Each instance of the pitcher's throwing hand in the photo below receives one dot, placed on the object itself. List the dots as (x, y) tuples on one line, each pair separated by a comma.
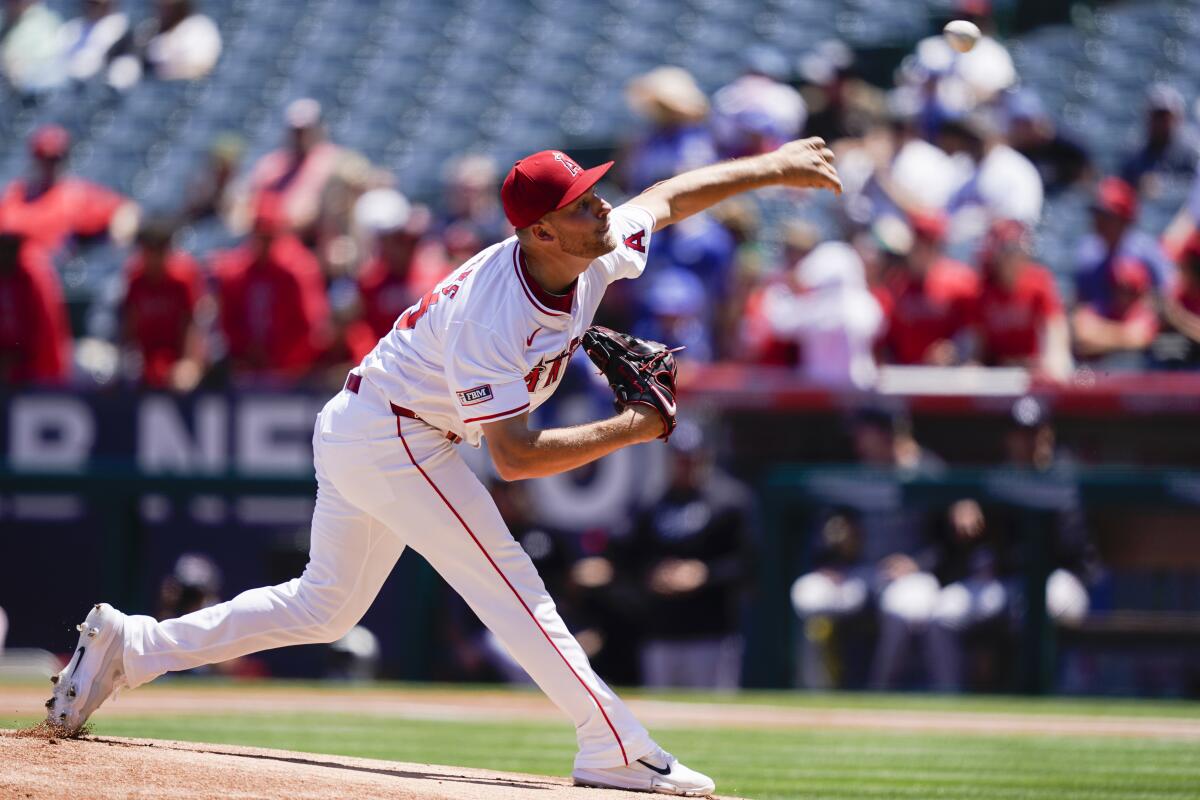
[(808, 163)]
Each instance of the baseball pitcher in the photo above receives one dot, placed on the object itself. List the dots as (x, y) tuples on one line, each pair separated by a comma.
[(471, 360)]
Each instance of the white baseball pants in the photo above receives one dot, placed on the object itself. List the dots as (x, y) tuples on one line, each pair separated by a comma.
[(385, 482)]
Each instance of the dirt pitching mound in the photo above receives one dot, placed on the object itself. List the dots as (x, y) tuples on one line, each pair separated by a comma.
[(36, 766)]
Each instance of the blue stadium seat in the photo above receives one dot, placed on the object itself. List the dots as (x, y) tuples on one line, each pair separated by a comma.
[(413, 82)]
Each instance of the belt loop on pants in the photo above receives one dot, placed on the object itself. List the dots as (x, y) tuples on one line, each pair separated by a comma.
[(354, 383)]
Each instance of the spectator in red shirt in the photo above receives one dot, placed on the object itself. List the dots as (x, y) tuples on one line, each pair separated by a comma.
[(298, 172), (274, 312), (930, 302), (51, 208), (35, 339), (756, 339), (158, 315), (405, 265), (1019, 318), (461, 241), (1182, 308), (1126, 324)]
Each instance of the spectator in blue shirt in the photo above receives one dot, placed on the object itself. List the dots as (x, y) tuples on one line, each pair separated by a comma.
[(1169, 150), (1060, 160), (702, 246), (678, 138), (678, 313), (1114, 211)]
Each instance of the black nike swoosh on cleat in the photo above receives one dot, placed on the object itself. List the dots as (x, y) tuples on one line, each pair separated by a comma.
[(79, 660), (660, 770)]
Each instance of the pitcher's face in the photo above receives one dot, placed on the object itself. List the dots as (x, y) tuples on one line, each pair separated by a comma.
[(582, 228)]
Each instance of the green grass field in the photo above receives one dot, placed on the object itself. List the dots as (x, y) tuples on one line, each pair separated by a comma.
[(760, 764)]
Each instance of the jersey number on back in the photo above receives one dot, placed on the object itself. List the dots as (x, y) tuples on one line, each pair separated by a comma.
[(409, 318)]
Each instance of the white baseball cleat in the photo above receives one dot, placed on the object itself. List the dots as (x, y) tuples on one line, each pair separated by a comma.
[(657, 771), (95, 670)]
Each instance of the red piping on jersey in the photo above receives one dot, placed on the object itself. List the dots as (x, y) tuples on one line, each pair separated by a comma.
[(516, 594), (497, 414), (556, 305)]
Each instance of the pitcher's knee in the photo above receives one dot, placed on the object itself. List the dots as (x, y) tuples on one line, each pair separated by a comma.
[(329, 609)]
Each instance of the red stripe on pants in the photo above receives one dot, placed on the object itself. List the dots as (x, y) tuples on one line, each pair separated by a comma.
[(512, 588)]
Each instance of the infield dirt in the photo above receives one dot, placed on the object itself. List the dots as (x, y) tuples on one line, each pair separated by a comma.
[(111, 767)]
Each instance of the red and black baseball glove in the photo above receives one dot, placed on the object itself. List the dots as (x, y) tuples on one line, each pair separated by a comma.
[(638, 370)]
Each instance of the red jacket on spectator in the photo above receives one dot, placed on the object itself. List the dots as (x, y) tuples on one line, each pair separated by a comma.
[(924, 311), (1187, 290), (1188, 295), (274, 312), (1010, 320), (70, 207), (759, 342), (158, 311), (386, 292), (35, 338)]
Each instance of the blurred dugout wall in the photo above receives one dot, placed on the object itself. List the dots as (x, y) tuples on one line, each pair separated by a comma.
[(1139, 636), (99, 494)]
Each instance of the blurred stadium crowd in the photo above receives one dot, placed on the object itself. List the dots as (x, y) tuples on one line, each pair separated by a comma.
[(975, 228), (1034, 204)]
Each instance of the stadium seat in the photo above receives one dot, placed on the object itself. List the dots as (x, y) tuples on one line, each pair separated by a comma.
[(413, 82)]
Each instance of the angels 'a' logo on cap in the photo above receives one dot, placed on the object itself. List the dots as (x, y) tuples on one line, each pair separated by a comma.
[(571, 166)]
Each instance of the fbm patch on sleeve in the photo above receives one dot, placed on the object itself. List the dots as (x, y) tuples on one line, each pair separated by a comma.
[(485, 372), (471, 397)]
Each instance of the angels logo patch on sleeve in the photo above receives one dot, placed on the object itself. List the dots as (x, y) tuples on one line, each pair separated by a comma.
[(480, 394), (634, 228)]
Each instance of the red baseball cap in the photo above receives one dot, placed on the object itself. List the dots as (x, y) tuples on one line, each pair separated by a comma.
[(929, 224), (50, 141), (545, 182), (1115, 196)]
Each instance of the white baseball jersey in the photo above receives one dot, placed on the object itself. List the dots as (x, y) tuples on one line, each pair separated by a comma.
[(489, 343)]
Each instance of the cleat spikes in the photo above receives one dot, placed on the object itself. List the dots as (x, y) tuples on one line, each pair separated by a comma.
[(92, 675)]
